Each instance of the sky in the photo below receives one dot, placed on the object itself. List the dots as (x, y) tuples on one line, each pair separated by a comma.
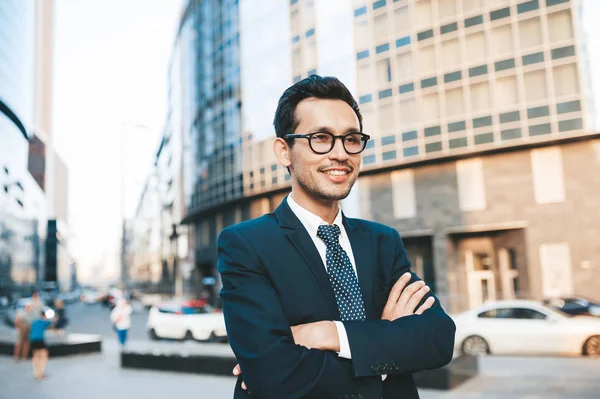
[(110, 92)]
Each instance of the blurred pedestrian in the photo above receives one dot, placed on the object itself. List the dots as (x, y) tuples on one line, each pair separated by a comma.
[(121, 318), (23, 320), (36, 303), (38, 345), (61, 316)]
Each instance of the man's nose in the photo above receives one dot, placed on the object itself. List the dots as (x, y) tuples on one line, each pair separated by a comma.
[(338, 151)]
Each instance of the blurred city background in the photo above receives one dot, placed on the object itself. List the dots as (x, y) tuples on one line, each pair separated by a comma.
[(133, 131)]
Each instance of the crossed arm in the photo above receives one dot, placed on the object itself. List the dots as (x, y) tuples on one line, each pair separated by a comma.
[(294, 362)]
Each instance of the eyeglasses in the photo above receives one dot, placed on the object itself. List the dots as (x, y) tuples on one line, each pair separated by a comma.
[(323, 142)]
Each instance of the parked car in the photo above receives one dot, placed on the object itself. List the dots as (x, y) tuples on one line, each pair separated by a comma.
[(186, 320), (525, 327), (576, 306), (91, 296)]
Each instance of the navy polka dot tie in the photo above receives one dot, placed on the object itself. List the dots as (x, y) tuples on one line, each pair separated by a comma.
[(341, 275)]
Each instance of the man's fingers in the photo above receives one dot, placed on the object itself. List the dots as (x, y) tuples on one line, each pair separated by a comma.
[(244, 387), (426, 305), (416, 298), (237, 370), (407, 294), (395, 293)]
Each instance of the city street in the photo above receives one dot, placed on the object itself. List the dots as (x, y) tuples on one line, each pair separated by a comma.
[(100, 376)]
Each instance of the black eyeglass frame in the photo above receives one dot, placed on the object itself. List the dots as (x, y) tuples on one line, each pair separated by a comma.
[(364, 138)]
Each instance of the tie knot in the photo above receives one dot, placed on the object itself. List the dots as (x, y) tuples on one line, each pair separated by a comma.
[(329, 233)]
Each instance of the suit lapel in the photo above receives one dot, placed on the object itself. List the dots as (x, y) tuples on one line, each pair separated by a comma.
[(300, 239), (362, 249)]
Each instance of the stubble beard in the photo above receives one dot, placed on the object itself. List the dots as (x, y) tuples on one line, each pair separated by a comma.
[(311, 187)]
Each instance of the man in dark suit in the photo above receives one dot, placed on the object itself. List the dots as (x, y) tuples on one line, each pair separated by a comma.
[(318, 305)]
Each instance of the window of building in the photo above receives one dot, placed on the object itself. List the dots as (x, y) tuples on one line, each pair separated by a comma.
[(477, 20), (477, 71), (477, 49), (453, 27), (433, 131), (384, 72), (362, 54), (367, 98), (502, 41), (565, 80), (510, 134), (382, 48), (401, 21), (538, 112), (458, 142), (311, 72), (410, 151), (548, 177), (571, 124), (368, 159), (480, 97), (499, 14), (571, 106), (407, 136), (310, 32), (450, 53), (533, 58), (378, 4), (550, 3), (504, 64), (388, 140), (388, 155), (404, 66), (407, 88), (380, 28), (481, 122), (427, 62), (506, 91), (408, 112), (403, 194), (455, 102), (384, 93), (535, 85), (537, 130), (484, 138), (404, 41), (452, 76), (471, 189), (528, 6), (530, 33), (360, 11), (423, 14), (560, 26), (428, 34), (386, 118), (510, 117), (429, 82), (431, 107), (433, 147), (457, 126), (562, 52)]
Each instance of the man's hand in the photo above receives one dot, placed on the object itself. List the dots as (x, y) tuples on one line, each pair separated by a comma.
[(321, 335), (238, 371), (404, 303)]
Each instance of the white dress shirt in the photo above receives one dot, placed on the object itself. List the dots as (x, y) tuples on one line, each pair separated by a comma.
[(311, 223)]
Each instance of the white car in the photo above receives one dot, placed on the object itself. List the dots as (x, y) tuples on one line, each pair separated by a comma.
[(186, 321), (525, 327)]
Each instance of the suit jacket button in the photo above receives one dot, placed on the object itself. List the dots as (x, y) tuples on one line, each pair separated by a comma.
[(395, 367), (374, 368), (388, 367)]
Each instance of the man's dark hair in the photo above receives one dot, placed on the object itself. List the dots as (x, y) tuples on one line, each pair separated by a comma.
[(43, 313), (325, 87)]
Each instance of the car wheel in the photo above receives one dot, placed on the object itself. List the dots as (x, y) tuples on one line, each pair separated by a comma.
[(592, 346), (188, 335), (153, 335), (475, 345)]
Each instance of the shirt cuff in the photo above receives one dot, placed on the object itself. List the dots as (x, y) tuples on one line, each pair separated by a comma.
[(344, 344)]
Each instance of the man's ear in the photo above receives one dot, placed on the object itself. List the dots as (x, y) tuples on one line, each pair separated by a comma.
[(282, 152)]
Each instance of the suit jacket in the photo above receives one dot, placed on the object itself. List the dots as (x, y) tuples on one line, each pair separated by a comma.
[(273, 278)]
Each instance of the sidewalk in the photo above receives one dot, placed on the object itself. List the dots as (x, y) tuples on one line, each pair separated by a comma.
[(100, 377)]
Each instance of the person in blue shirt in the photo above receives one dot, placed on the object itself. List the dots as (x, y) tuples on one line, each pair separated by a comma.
[(38, 345)]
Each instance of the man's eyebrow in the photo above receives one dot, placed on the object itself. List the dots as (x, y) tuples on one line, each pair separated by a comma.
[(327, 129)]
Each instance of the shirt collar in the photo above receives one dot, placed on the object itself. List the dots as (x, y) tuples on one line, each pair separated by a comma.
[(309, 220)]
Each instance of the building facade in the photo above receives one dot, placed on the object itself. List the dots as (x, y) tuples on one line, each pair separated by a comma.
[(482, 118)]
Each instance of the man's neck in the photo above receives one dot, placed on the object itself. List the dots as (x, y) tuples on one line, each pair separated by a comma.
[(326, 210)]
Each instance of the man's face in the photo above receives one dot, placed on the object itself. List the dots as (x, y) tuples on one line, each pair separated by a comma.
[(330, 176)]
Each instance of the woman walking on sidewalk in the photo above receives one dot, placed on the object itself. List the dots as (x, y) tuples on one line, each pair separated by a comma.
[(121, 318)]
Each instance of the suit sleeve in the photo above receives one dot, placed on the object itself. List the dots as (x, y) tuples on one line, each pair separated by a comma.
[(273, 366), (405, 345)]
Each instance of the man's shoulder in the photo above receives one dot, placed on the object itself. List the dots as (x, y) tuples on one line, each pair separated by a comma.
[(254, 227), (369, 226)]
